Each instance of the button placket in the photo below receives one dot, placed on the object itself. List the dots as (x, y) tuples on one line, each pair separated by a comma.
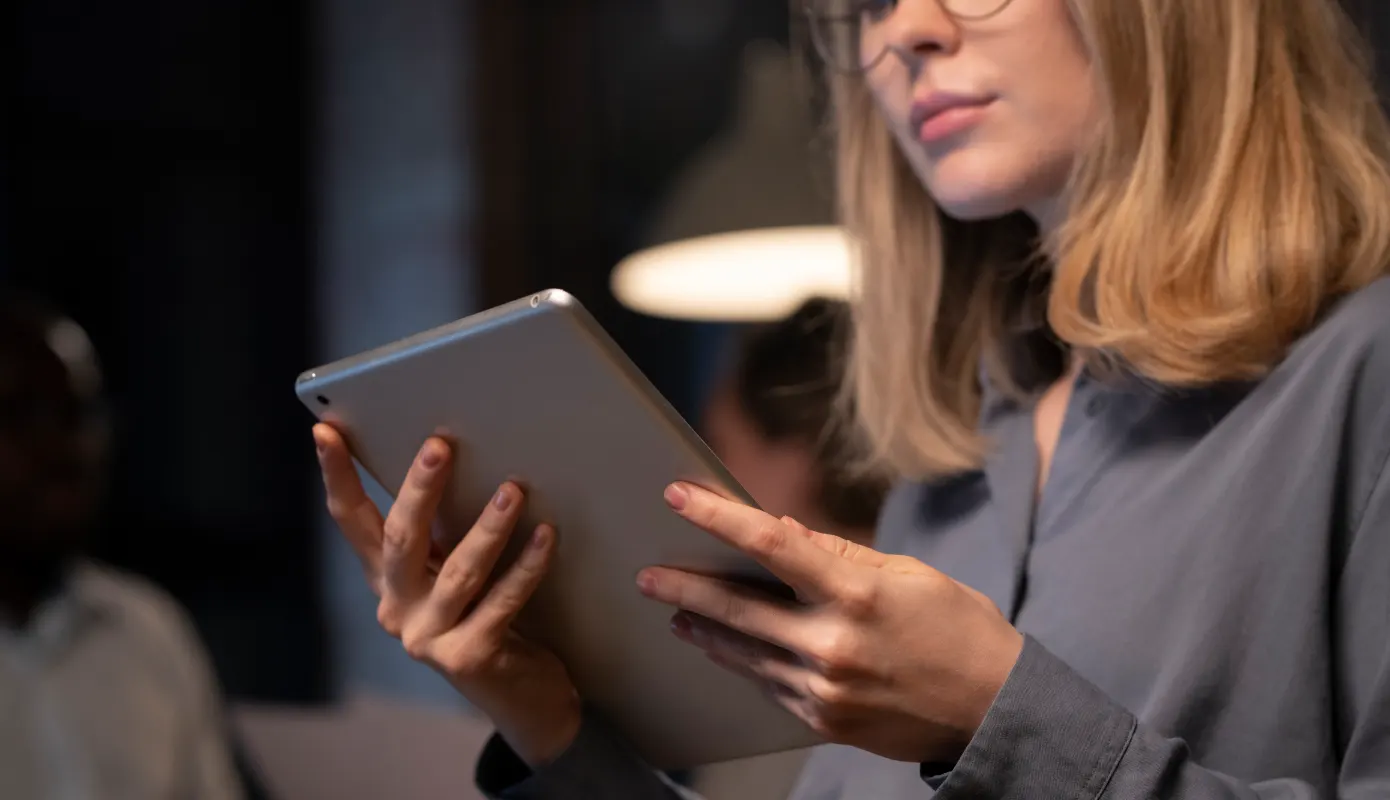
[(1089, 441)]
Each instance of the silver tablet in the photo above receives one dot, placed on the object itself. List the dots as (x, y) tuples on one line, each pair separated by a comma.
[(535, 391)]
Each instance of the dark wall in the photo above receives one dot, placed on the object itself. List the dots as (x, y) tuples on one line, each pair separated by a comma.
[(157, 188), (1372, 17)]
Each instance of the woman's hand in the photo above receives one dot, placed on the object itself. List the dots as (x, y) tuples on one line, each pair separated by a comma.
[(883, 653), (454, 620)]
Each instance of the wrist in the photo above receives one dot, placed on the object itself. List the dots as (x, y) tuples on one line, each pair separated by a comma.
[(543, 736), (996, 663)]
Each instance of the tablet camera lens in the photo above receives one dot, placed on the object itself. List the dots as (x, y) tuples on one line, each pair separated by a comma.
[(323, 401), (535, 300)]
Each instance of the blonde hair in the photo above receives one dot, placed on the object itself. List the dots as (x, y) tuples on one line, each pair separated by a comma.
[(1238, 186)]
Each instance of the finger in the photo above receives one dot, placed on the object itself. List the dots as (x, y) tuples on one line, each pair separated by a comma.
[(405, 540), (498, 608), (741, 653), (738, 607), (811, 570), (841, 547), (787, 683), (773, 689), (793, 702), (797, 527), (352, 510), (466, 570), (853, 552)]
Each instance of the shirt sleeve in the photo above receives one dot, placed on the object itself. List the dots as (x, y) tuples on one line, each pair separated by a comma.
[(1051, 733), (598, 765)]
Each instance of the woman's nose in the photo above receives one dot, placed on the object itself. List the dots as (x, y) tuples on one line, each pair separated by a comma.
[(915, 29)]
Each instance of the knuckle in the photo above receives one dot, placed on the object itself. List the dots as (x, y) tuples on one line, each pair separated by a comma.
[(858, 596), (388, 616), (468, 659), (512, 595), (733, 610), (457, 579), (768, 537), (835, 545), (527, 573), (396, 534), (828, 695), (837, 652), (528, 578), (339, 510), (417, 646)]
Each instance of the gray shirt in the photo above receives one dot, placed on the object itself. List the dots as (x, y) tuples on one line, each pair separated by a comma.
[(1204, 587), (107, 694)]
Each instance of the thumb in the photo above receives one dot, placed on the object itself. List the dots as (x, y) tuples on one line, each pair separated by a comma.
[(844, 548)]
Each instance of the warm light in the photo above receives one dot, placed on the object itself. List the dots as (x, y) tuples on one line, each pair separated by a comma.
[(755, 275)]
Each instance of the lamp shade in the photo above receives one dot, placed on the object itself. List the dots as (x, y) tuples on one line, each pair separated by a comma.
[(745, 276)]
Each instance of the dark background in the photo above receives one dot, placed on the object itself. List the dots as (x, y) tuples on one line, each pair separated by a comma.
[(160, 182)]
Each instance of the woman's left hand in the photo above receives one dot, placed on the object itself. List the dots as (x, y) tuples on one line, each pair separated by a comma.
[(882, 652)]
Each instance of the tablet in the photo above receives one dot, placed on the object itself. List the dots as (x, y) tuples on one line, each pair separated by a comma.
[(536, 392)]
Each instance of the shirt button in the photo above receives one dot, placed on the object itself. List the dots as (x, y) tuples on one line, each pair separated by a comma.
[(1096, 405)]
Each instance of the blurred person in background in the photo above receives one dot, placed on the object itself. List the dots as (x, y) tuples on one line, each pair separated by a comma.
[(773, 422), (105, 691)]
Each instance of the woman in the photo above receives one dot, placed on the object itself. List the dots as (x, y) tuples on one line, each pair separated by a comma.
[(1122, 330)]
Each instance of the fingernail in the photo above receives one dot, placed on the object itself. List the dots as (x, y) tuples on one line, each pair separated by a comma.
[(431, 455), (318, 443), (646, 583), (539, 538), (502, 500), (680, 626), (699, 636), (676, 495)]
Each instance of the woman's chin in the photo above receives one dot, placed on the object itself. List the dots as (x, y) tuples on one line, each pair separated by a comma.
[(972, 189), (975, 206)]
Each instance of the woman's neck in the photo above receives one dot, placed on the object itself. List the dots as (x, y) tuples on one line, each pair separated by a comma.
[(1046, 214)]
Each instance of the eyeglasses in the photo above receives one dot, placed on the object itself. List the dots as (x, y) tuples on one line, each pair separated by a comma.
[(848, 34)]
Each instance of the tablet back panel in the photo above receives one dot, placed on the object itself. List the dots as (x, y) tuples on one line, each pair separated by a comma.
[(536, 392)]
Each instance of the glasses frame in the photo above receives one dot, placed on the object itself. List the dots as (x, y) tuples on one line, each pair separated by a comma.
[(823, 49)]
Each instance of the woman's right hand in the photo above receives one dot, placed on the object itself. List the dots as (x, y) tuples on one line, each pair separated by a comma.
[(457, 621)]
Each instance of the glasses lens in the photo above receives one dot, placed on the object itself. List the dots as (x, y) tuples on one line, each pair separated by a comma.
[(843, 31), (849, 34)]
